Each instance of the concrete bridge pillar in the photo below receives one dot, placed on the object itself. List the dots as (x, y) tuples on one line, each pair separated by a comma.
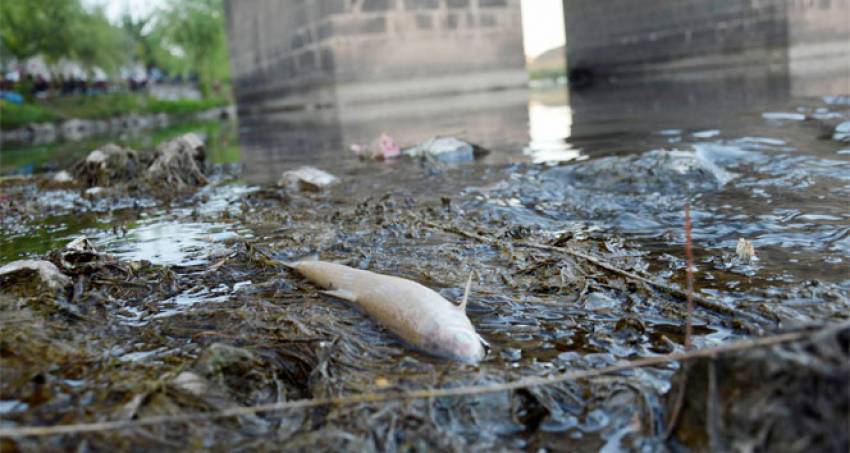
[(290, 55), (806, 41)]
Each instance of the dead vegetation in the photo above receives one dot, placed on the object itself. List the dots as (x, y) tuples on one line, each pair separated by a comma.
[(175, 166), (274, 363)]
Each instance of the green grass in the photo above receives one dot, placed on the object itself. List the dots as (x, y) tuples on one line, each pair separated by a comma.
[(222, 147), (98, 107), (14, 115)]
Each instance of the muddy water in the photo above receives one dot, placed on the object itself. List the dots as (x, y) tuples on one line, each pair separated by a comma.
[(604, 173)]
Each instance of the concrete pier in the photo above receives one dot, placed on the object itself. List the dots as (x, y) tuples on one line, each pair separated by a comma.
[(809, 41), (290, 55)]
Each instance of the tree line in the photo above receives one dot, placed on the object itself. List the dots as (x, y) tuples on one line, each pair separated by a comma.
[(183, 37)]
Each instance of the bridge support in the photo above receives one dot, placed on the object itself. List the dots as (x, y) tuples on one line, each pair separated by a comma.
[(289, 55)]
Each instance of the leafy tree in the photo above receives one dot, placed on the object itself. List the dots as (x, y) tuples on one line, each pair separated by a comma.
[(97, 42), (38, 27), (196, 28)]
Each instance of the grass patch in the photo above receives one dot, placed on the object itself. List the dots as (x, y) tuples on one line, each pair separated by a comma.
[(99, 107), (18, 115), (222, 147)]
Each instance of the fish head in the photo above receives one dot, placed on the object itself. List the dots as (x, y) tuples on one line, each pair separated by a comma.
[(461, 344)]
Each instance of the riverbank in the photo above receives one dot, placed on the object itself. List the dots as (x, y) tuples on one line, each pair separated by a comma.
[(76, 118)]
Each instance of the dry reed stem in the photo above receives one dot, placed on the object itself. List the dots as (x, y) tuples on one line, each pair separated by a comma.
[(745, 318), (689, 271)]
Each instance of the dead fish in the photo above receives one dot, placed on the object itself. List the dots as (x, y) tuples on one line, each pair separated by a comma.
[(417, 314)]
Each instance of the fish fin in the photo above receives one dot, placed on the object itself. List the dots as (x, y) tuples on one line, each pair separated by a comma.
[(484, 342), (465, 299), (341, 294)]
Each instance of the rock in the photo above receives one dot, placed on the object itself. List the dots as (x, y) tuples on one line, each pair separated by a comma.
[(41, 133), (784, 398), (179, 163), (111, 164), (63, 177), (307, 179), (745, 250), (446, 149), (76, 129), (27, 275), (842, 132)]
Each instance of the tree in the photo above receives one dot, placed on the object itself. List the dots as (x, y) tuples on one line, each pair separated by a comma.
[(196, 27), (38, 27), (97, 42), (56, 29)]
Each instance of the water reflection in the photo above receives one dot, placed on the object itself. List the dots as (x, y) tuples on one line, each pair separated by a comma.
[(516, 125), (753, 160), (550, 123)]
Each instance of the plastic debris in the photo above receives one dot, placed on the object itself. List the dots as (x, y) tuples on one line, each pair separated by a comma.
[(387, 148), (382, 148), (307, 179), (446, 149)]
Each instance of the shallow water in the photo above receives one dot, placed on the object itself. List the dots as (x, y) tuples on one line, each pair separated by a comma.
[(607, 173)]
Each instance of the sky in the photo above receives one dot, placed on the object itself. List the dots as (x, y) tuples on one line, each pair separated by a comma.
[(542, 20), (116, 8), (543, 25)]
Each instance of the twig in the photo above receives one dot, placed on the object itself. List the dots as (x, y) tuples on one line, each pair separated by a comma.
[(533, 381), (676, 292), (679, 401), (689, 255)]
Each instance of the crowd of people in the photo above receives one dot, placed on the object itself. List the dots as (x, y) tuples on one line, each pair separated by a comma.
[(17, 84)]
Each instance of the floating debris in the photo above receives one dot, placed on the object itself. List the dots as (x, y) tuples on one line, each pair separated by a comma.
[(382, 148), (447, 150), (387, 148), (307, 179)]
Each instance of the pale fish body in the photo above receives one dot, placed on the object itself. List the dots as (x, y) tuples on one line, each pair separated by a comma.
[(417, 314)]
